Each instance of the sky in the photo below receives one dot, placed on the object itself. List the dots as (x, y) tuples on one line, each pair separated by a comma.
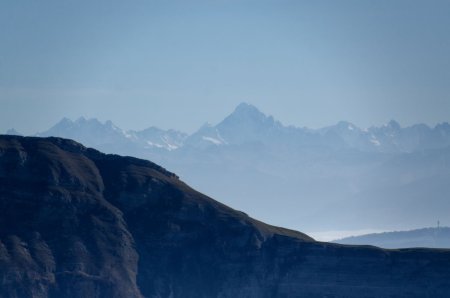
[(178, 64)]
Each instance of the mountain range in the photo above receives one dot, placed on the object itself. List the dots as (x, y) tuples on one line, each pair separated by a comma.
[(75, 222), (337, 177), (246, 124), (438, 237)]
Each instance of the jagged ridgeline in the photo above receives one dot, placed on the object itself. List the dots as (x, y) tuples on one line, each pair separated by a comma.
[(78, 223), (339, 177)]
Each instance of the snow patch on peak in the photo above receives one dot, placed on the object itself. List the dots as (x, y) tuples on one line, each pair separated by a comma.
[(374, 140), (130, 134), (212, 140)]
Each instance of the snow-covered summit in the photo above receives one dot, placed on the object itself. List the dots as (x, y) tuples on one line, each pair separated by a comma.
[(246, 124), (95, 133)]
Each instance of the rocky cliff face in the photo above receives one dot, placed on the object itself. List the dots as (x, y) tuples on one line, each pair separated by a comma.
[(78, 223)]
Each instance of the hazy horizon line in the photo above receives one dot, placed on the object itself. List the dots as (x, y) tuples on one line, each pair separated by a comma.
[(105, 121)]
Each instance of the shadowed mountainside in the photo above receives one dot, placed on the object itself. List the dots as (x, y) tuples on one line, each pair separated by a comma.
[(78, 223)]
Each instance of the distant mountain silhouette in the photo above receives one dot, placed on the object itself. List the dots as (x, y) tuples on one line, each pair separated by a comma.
[(318, 178), (247, 124), (78, 223), (13, 132), (111, 138), (427, 237)]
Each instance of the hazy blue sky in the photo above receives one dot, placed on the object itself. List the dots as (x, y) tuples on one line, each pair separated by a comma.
[(177, 64)]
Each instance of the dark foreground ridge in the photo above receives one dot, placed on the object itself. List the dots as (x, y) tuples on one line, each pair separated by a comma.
[(78, 223)]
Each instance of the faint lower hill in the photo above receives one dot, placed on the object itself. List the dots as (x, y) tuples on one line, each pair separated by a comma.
[(427, 237), (77, 223)]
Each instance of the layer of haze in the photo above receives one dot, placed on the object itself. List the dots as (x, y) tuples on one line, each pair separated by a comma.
[(175, 64)]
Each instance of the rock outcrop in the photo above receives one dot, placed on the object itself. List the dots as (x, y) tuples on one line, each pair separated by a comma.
[(78, 223)]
